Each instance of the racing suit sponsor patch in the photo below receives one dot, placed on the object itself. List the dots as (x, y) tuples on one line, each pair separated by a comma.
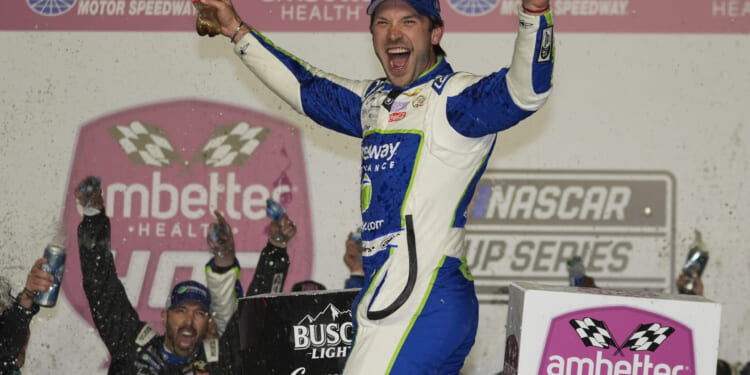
[(398, 116), (545, 48)]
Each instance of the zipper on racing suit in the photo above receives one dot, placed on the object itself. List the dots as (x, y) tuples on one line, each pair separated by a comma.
[(412, 279)]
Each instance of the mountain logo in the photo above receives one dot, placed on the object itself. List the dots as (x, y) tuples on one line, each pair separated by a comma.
[(331, 310), (327, 334)]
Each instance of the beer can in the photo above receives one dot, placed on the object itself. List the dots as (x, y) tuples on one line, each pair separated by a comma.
[(357, 235), (695, 264), (217, 232), (90, 185), (55, 255), (696, 260), (576, 271), (87, 189), (274, 210)]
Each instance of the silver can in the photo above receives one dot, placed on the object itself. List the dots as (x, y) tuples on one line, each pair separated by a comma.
[(695, 264), (274, 210), (87, 188), (55, 255)]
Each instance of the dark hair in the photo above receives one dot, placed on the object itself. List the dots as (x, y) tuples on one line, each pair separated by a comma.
[(307, 285), (723, 368), (434, 22)]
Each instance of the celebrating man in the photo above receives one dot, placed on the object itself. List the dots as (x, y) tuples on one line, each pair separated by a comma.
[(188, 346), (427, 133)]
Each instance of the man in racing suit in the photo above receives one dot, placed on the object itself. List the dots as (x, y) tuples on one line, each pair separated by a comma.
[(427, 133), (135, 346)]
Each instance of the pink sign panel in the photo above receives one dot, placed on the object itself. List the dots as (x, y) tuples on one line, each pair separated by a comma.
[(595, 16), (617, 340), (164, 168)]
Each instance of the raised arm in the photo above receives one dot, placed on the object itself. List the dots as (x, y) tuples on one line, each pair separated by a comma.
[(273, 264), (114, 316), (327, 99), (530, 76), (222, 272), (514, 93)]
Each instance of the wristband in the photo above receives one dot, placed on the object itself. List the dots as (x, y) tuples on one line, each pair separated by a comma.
[(237, 31), (28, 292), (527, 10)]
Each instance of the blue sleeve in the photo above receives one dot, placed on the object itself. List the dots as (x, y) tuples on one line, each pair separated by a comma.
[(485, 107), (332, 106), (329, 100), (354, 282), (504, 98)]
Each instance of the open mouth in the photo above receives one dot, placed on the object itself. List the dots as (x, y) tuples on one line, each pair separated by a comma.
[(397, 57), (186, 338)]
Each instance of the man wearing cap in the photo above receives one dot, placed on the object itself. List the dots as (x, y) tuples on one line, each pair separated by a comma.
[(427, 132), (185, 347)]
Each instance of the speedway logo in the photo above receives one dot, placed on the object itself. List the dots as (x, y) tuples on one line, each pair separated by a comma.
[(164, 169), (473, 7), (50, 7), (328, 334), (617, 340)]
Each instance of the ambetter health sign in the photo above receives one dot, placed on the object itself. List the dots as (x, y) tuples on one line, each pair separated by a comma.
[(164, 168)]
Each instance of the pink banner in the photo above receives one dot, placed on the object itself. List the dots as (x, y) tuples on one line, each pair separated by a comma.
[(164, 167), (621, 16)]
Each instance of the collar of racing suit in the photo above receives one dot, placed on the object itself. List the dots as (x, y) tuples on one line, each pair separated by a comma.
[(172, 359)]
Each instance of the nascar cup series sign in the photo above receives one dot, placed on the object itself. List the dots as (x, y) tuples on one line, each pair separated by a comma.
[(525, 225), (164, 169)]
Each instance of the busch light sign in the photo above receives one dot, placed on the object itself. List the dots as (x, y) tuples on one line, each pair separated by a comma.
[(164, 169), (300, 333), (328, 334)]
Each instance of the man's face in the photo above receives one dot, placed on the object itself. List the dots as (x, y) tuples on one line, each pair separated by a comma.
[(187, 325), (403, 41)]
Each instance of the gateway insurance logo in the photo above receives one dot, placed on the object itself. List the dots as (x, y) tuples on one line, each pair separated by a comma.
[(617, 340), (164, 168)]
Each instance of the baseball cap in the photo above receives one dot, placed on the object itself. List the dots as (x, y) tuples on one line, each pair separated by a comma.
[(189, 291), (306, 285), (423, 7)]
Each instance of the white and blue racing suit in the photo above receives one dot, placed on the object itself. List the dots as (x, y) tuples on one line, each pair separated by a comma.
[(424, 148)]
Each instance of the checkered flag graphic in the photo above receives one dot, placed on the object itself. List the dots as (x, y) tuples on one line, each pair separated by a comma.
[(145, 144), (648, 337), (593, 333), (232, 145)]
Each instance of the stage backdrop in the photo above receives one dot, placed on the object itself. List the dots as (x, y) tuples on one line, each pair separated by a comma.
[(643, 142)]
